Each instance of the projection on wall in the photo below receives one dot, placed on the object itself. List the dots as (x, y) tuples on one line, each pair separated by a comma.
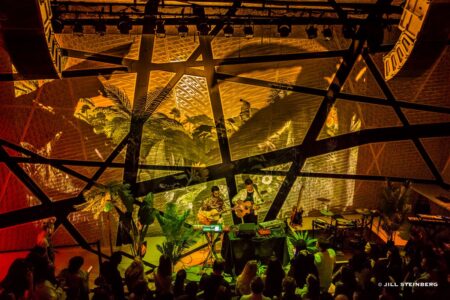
[(182, 132), (85, 119)]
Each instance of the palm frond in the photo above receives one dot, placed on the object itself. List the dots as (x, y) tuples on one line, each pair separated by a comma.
[(24, 87), (295, 237), (87, 101), (118, 96)]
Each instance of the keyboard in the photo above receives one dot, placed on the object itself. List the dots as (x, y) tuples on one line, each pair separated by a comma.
[(272, 224), (429, 219)]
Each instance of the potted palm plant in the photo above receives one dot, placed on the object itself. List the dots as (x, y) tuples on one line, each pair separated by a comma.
[(179, 235)]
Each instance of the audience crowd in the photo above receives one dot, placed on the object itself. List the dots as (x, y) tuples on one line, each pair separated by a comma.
[(375, 271)]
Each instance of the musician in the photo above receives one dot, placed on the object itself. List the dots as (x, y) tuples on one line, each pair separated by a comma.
[(248, 194), (212, 208)]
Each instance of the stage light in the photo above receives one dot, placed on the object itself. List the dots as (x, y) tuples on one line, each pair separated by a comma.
[(327, 33), (202, 24), (348, 31), (77, 28), (203, 28), (311, 31), (57, 25), (183, 30), (284, 29), (228, 30), (124, 25), (100, 27), (248, 31), (160, 30)]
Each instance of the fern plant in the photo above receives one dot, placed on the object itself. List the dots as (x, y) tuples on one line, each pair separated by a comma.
[(179, 237)]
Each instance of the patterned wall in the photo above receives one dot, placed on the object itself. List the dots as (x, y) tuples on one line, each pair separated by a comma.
[(85, 118)]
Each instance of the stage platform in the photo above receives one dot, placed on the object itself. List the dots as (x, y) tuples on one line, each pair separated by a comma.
[(400, 237)]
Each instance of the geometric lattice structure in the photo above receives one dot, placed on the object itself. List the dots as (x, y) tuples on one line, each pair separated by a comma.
[(176, 116)]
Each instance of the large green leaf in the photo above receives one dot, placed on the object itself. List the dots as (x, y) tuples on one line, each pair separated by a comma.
[(179, 237), (146, 213)]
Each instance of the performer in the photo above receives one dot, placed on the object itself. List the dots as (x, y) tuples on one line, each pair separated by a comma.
[(212, 208), (246, 202), (44, 238), (211, 213)]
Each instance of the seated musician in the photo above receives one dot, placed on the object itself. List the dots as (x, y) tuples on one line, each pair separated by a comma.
[(246, 202), (212, 208)]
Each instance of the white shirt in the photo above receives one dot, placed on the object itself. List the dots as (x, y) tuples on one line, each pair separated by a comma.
[(242, 195), (324, 262)]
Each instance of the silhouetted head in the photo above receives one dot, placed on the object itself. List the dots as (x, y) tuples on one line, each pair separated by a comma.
[(15, 280), (165, 265), (274, 268), (116, 258), (75, 264), (289, 285), (257, 285), (219, 266), (191, 289), (301, 245)]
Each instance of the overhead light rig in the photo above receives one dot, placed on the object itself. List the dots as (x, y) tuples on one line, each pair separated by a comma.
[(204, 14), (260, 12)]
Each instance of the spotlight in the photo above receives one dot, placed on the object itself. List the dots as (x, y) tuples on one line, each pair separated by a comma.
[(348, 31), (183, 30), (248, 31), (202, 25), (203, 28), (284, 29), (311, 31), (57, 25), (124, 25), (100, 27), (327, 33), (228, 30), (160, 30), (77, 28)]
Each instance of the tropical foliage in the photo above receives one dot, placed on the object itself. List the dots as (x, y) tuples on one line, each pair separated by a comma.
[(117, 196), (166, 139), (179, 235), (296, 236)]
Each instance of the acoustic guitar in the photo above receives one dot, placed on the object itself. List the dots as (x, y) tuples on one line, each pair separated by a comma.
[(212, 216), (208, 217), (246, 207)]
